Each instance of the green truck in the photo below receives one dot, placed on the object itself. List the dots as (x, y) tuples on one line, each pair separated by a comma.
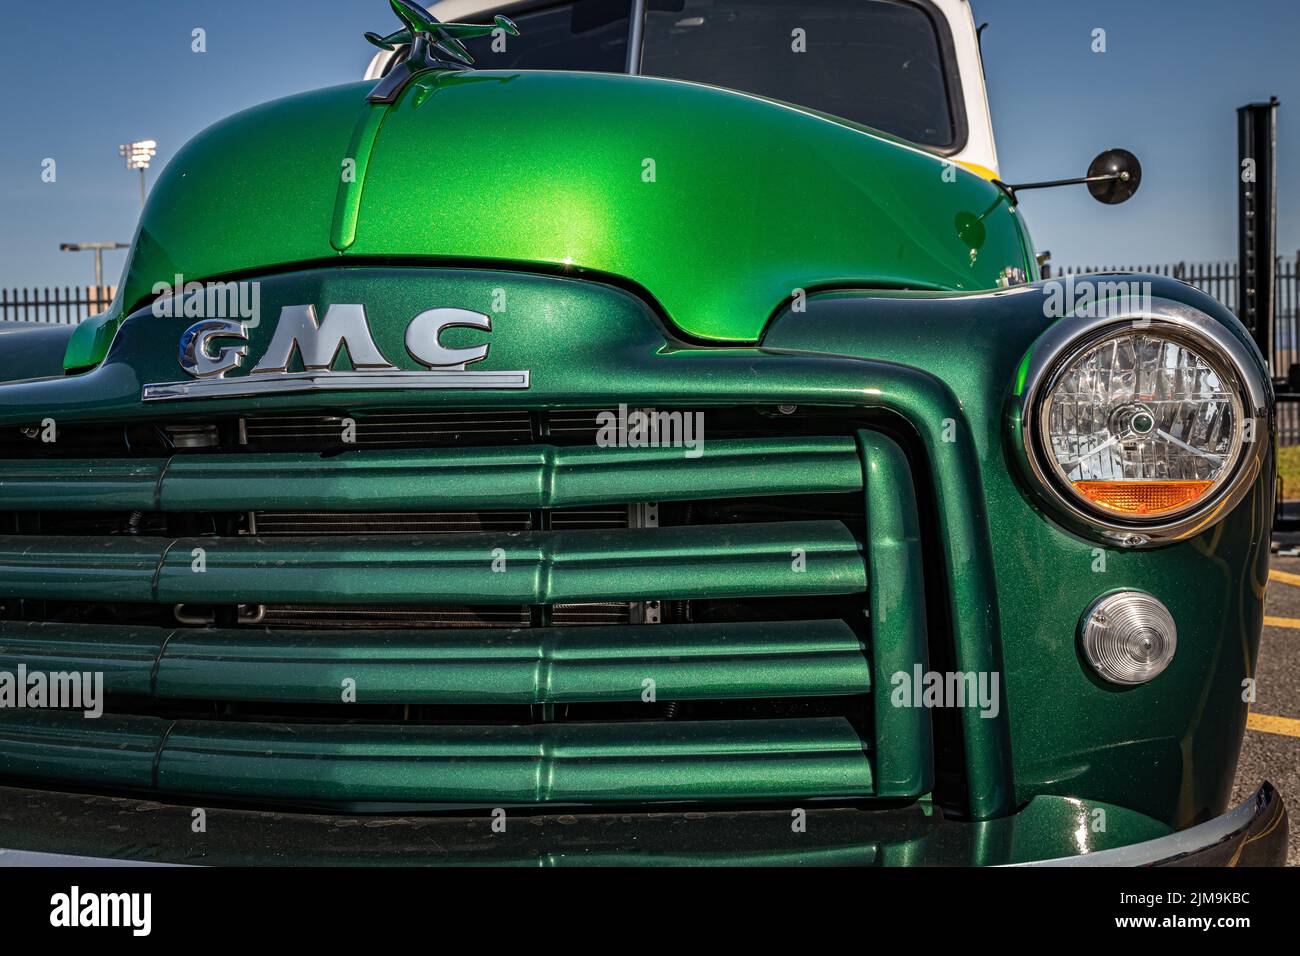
[(630, 432)]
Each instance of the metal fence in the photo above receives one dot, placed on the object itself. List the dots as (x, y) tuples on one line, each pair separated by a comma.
[(1219, 279), (66, 306)]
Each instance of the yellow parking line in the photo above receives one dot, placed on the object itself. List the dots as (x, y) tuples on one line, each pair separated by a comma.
[(1268, 724), (1285, 577), (1291, 622)]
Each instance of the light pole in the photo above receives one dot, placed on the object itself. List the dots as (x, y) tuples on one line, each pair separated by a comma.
[(98, 249), (137, 156)]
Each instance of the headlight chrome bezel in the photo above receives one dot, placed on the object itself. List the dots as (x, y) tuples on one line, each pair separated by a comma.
[(1069, 339)]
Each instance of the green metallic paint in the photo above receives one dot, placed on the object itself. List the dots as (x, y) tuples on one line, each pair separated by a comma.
[(87, 345), (1166, 749), (579, 337), (750, 199), (457, 764), (126, 656), (1053, 828), (680, 563), (535, 476), (352, 177), (64, 746), (537, 184), (29, 350), (96, 569), (553, 665), (540, 763), (903, 735), (82, 484)]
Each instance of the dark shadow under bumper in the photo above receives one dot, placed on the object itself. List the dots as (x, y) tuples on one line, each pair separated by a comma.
[(40, 827)]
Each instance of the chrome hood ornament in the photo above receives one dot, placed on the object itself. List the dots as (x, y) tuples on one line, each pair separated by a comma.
[(434, 45)]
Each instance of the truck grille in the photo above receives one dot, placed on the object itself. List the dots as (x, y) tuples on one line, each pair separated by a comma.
[(522, 616), (392, 429), (427, 522)]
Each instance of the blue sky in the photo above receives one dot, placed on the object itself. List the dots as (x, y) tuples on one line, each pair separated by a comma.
[(80, 76)]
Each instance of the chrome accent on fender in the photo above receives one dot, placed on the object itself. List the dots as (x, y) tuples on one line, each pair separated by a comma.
[(1011, 276), (193, 353), (297, 382), (1069, 337)]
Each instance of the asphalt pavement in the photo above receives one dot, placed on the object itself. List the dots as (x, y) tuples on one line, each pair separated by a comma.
[(1271, 750)]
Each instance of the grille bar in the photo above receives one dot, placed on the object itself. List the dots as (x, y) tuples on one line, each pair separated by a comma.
[(903, 735), (679, 563), (524, 764), (531, 477), (395, 428), (529, 666), (345, 619), (396, 522)]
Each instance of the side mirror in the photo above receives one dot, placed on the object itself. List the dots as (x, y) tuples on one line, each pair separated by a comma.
[(1114, 176)]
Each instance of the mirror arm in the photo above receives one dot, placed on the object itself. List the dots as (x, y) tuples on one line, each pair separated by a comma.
[(1010, 189)]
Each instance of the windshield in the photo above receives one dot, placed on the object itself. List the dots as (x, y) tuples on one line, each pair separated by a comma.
[(876, 62), (588, 35)]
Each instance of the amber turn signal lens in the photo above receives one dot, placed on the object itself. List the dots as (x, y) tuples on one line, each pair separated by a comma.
[(1144, 498)]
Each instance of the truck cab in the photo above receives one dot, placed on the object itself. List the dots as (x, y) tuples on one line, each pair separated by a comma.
[(646, 420), (910, 69)]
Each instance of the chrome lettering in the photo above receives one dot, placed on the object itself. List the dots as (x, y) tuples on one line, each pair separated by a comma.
[(319, 343)]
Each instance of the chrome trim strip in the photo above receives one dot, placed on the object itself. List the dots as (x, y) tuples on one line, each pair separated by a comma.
[(30, 858), (296, 382), (1069, 336)]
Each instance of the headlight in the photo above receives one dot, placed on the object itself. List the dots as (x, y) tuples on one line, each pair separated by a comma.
[(1142, 425), (1145, 430)]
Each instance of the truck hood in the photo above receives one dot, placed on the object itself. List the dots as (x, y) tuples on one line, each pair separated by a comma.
[(716, 205)]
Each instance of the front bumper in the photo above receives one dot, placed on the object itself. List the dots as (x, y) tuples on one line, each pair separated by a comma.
[(48, 828), (1253, 834)]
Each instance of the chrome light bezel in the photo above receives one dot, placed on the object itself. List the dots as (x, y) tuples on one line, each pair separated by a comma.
[(1228, 375), (1097, 621), (1064, 342)]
